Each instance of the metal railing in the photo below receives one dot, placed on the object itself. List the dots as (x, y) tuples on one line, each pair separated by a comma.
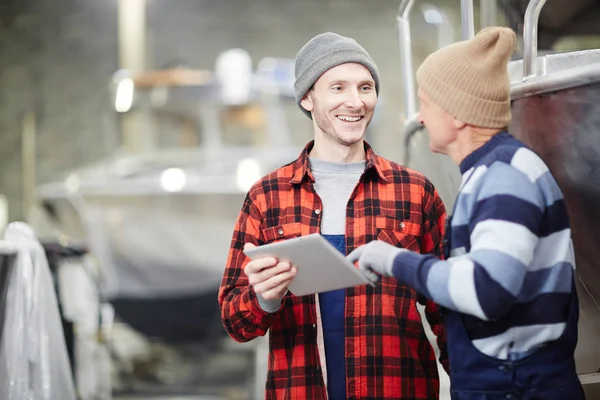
[(530, 38)]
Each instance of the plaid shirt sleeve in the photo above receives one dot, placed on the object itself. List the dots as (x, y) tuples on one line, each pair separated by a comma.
[(433, 233), (242, 316)]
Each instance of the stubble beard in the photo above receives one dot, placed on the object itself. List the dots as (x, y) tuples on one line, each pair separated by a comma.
[(326, 126)]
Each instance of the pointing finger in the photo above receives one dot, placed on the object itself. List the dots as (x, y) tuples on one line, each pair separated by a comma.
[(355, 254)]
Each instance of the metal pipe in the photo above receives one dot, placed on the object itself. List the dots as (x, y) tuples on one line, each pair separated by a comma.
[(404, 43), (586, 74), (411, 129), (488, 13), (29, 162), (530, 37), (467, 20), (136, 131)]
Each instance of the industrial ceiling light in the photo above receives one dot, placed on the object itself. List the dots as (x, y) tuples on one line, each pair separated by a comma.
[(173, 179), (124, 91)]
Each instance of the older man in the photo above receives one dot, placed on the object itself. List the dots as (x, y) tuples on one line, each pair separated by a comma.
[(508, 283)]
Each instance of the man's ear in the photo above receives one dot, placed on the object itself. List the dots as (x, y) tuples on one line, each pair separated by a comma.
[(307, 102), (458, 124)]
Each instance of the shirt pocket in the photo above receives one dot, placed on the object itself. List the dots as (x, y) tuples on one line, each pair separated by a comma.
[(398, 299), (398, 234), (282, 232), (293, 318)]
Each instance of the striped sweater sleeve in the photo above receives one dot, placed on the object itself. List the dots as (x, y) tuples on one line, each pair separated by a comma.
[(505, 215)]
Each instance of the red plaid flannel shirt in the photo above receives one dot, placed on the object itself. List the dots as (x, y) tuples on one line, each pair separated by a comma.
[(387, 353)]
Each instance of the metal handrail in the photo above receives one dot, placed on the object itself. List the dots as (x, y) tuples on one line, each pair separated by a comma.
[(530, 38), (488, 13), (404, 43), (412, 127), (467, 20)]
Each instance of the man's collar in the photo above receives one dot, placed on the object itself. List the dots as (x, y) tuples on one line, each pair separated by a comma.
[(301, 166)]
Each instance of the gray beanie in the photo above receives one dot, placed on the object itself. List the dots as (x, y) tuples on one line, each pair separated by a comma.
[(324, 52)]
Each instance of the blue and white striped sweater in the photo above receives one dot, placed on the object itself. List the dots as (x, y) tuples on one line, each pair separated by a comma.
[(511, 257)]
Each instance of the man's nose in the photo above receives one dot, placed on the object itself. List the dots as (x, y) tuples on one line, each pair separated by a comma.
[(353, 99)]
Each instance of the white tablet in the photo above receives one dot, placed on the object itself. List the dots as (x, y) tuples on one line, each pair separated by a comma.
[(321, 267)]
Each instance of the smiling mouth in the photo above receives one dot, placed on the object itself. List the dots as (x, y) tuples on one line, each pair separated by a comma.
[(348, 118)]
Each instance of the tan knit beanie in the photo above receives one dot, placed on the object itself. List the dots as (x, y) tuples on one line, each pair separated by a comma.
[(469, 79)]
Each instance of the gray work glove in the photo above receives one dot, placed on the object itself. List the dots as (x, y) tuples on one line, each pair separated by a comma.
[(375, 258)]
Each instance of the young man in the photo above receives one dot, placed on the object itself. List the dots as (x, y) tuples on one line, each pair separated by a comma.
[(508, 279), (360, 343)]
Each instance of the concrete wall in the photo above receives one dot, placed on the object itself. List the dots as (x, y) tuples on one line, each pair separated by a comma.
[(56, 59)]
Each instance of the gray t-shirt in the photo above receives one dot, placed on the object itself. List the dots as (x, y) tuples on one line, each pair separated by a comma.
[(334, 183)]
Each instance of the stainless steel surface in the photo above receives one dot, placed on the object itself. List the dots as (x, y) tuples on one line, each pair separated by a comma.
[(563, 127), (467, 19), (555, 72), (585, 75), (551, 63), (530, 38), (405, 45)]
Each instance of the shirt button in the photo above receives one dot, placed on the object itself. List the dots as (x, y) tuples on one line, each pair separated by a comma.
[(504, 368), (402, 225), (314, 326), (317, 211), (280, 231)]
